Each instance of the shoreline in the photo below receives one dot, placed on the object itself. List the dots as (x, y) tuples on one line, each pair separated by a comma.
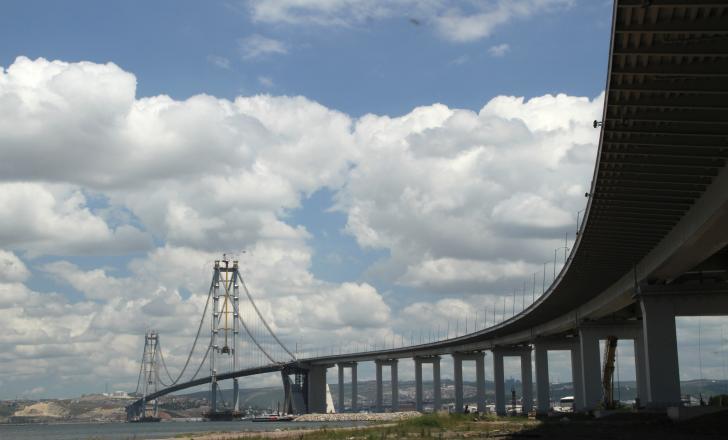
[(385, 420), (277, 433)]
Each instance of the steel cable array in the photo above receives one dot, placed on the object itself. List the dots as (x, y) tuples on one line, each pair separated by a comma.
[(250, 298), (141, 369), (194, 345)]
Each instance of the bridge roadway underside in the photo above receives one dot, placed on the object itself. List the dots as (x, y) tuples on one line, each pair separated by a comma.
[(657, 211)]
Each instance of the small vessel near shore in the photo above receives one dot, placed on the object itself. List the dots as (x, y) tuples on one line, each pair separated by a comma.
[(273, 418)]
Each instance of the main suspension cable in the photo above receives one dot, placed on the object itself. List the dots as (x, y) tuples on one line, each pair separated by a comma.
[(164, 365), (194, 344), (204, 358), (141, 366)]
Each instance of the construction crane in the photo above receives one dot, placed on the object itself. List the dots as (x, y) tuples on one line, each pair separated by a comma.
[(610, 352)]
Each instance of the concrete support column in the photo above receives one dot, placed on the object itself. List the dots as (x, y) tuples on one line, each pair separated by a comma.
[(354, 389), (660, 352), (418, 384), (458, 363), (498, 378), (395, 384), (480, 378), (213, 398), (640, 372), (542, 379), (394, 381), (316, 389), (236, 395), (576, 379), (436, 388), (341, 405), (590, 368), (527, 381), (380, 388)]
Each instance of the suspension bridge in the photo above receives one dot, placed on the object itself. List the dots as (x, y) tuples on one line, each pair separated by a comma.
[(229, 352), (652, 245)]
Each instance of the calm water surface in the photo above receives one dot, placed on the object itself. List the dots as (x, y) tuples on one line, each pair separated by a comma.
[(123, 431)]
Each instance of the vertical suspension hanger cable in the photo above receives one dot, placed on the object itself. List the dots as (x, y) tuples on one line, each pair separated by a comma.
[(255, 341), (255, 307)]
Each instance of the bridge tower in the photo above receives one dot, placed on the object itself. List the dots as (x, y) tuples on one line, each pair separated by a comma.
[(150, 371), (224, 333)]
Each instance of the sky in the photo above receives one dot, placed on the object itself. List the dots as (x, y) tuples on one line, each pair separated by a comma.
[(380, 169)]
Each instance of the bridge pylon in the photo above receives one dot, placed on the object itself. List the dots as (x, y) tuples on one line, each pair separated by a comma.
[(224, 333), (148, 383)]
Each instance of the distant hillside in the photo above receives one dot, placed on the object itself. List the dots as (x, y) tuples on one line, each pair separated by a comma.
[(265, 398), (256, 398), (101, 408)]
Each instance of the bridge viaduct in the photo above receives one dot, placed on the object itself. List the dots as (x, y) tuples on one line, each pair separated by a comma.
[(654, 241)]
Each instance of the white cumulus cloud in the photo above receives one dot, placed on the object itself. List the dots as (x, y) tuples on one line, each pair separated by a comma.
[(89, 168)]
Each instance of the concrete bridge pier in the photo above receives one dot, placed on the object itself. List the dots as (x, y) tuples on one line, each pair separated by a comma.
[(499, 382), (436, 389), (236, 395), (590, 333), (213, 396), (315, 389), (526, 377), (527, 381), (479, 358), (576, 379), (354, 391), (660, 305), (392, 363), (640, 369), (543, 400), (663, 371), (591, 368), (542, 347)]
